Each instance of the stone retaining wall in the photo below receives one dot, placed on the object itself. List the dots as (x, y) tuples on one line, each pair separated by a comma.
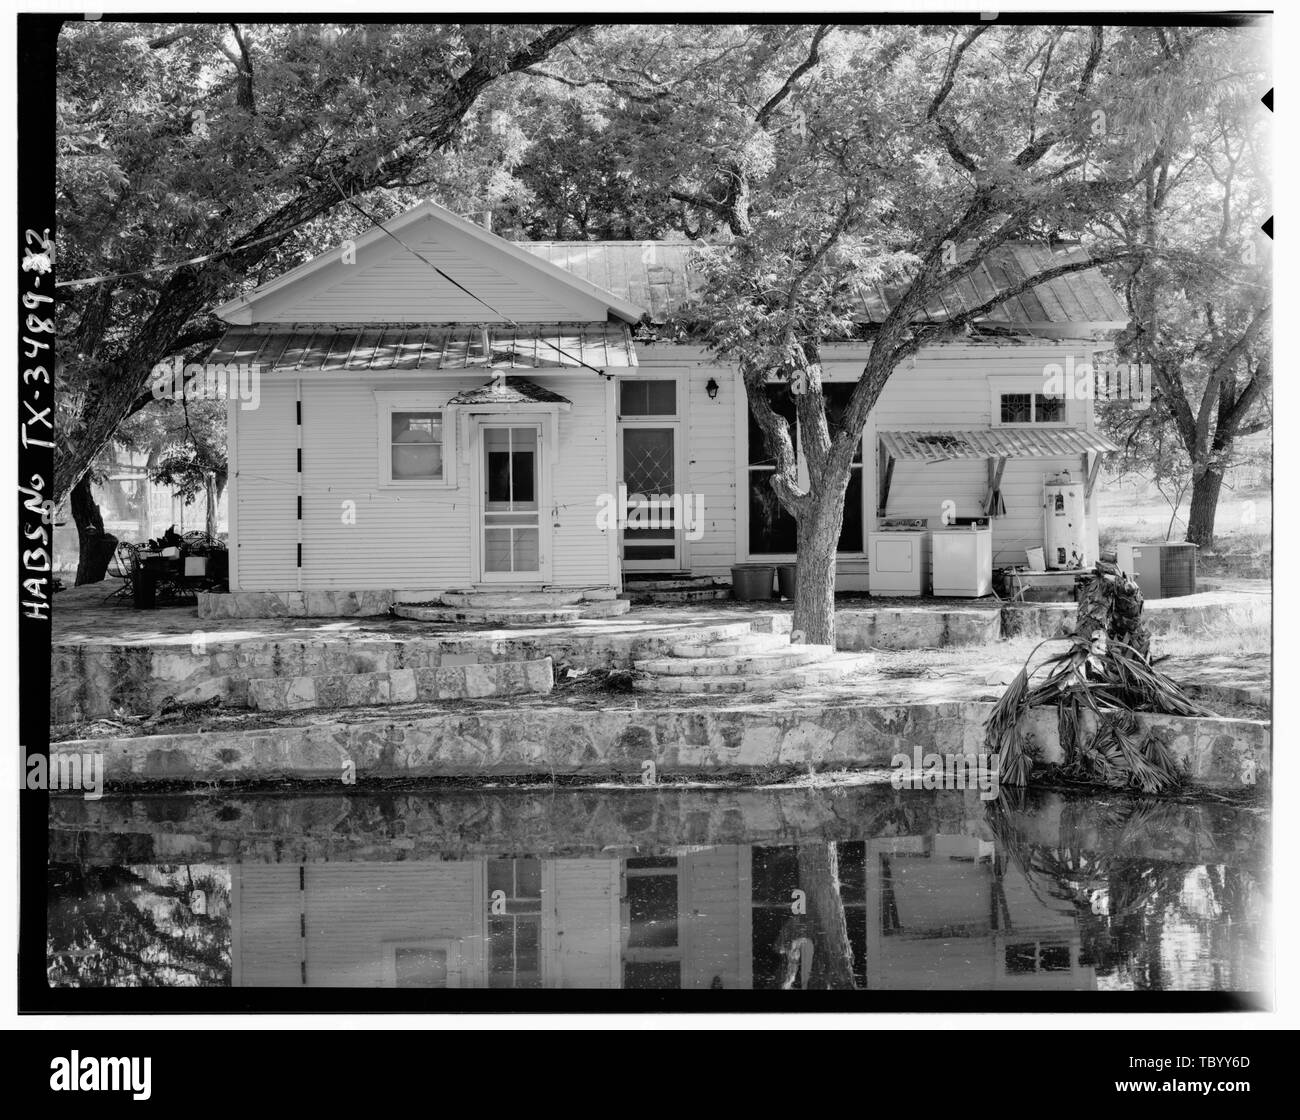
[(618, 742), (452, 682)]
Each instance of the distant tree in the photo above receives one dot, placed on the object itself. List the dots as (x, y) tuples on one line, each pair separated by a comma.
[(1199, 289)]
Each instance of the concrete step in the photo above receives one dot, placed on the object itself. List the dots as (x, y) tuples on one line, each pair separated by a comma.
[(505, 618), (669, 598), (757, 664), (603, 608), (684, 583), (743, 646), (511, 600), (834, 668)]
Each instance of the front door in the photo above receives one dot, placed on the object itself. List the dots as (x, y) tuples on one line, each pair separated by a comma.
[(510, 469), (651, 535)]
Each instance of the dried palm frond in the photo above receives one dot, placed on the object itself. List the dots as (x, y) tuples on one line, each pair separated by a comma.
[(1107, 669)]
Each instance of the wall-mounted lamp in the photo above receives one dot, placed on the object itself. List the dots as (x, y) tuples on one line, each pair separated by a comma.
[(712, 389)]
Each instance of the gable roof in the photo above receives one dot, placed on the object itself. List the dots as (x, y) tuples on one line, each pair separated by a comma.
[(515, 390), (493, 272), (661, 276)]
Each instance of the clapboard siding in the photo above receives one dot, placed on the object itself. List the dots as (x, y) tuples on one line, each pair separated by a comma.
[(712, 910), (712, 467), (358, 534), (388, 283), (354, 909), (266, 909), (266, 495)]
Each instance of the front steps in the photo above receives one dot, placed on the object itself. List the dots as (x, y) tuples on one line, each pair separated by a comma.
[(675, 590), (747, 663)]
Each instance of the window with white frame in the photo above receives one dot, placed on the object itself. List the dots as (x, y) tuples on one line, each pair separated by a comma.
[(414, 441), (1019, 401)]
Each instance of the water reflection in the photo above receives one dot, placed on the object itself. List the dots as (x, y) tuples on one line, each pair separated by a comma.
[(884, 890)]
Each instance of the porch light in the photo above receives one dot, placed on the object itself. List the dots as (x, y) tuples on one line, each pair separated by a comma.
[(712, 389)]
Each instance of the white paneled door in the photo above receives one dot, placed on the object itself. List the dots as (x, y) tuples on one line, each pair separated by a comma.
[(511, 486)]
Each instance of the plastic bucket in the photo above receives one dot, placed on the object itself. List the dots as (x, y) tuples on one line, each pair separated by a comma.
[(785, 580), (750, 582)]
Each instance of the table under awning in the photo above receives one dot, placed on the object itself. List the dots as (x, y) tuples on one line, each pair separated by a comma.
[(995, 446)]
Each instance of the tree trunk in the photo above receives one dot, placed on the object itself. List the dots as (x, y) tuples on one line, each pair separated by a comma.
[(819, 536), (819, 877), (94, 546), (1205, 502), (210, 496)]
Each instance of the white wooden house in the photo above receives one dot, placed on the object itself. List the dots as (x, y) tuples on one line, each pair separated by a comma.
[(443, 409)]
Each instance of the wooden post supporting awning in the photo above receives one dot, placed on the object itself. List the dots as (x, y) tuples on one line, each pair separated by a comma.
[(996, 446)]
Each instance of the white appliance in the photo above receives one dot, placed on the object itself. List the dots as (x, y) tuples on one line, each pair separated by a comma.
[(897, 560), (1063, 522), (962, 562)]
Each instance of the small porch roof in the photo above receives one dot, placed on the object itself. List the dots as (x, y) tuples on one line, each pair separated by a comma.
[(459, 346), (993, 443), (515, 390)]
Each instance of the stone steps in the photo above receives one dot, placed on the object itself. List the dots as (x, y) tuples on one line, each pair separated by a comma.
[(676, 590), (511, 600), (833, 668), (671, 598), (738, 647), (403, 686), (771, 661)]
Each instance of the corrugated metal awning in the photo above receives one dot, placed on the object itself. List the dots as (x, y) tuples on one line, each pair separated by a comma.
[(457, 346), (994, 443)]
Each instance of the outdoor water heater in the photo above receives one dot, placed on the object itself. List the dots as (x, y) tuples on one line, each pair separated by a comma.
[(1063, 522)]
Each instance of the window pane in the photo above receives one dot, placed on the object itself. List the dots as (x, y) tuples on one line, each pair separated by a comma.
[(417, 445), (771, 528), (648, 460), (501, 876), (652, 906), (851, 530), (652, 974), (782, 402), (1054, 958), (528, 878), (496, 546), (648, 398), (1015, 408), (1049, 410), (837, 395)]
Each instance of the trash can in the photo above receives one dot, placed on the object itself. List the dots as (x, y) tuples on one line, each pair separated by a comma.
[(752, 581), (785, 580)]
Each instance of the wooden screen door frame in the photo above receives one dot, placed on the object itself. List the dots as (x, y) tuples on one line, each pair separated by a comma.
[(676, 562), (542, 481)]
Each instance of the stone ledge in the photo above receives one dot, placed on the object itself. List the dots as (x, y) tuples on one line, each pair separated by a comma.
[(453, 682), (615, 742), (293, 604)]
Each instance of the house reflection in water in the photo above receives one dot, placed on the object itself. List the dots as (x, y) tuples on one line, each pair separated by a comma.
[(926, 912)]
